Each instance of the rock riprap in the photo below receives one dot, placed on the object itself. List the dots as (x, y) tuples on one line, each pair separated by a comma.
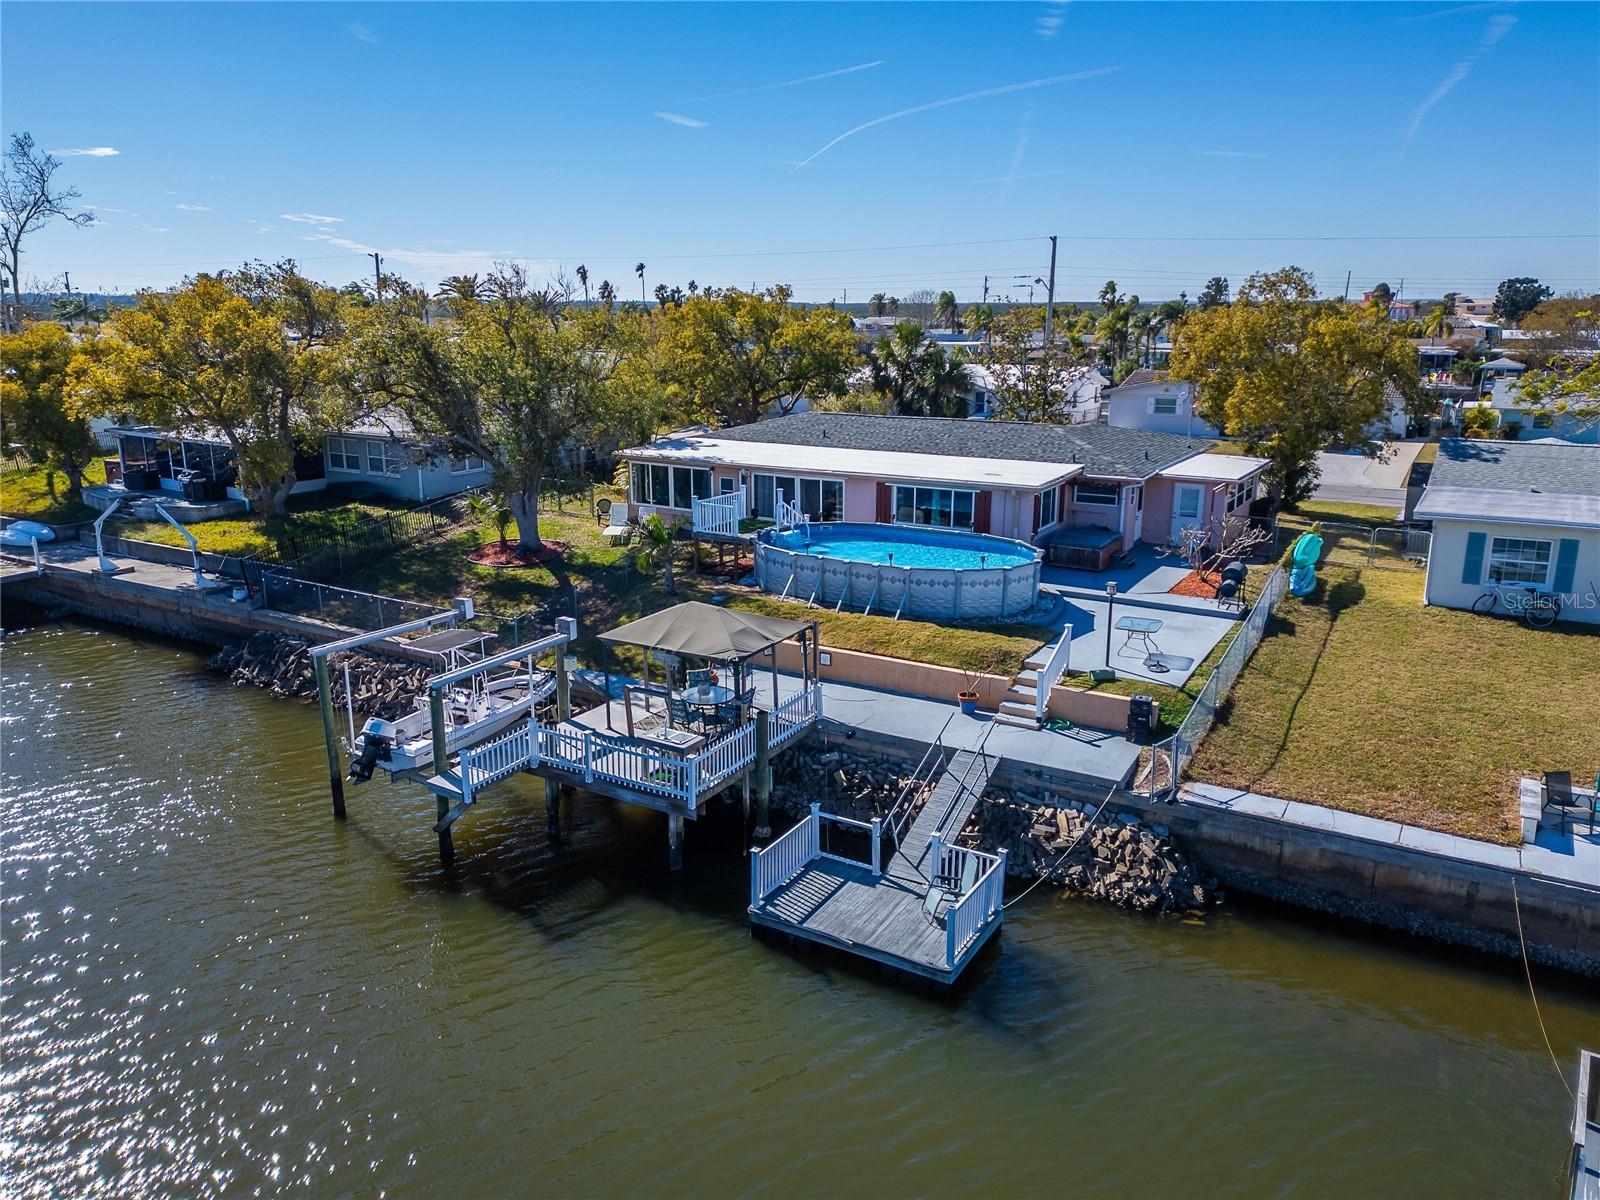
[(382, 687)]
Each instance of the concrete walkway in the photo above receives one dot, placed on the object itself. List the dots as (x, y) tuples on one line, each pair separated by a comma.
[(1572, 856), (1358, 479)]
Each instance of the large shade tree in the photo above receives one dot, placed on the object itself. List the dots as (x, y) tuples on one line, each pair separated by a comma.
[(737, 356), (1032, 381), (34, 410), (242, 354), (513, 380), (1291, 375)]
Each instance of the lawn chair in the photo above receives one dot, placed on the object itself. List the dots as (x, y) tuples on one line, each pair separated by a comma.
[(602, 511), (698, 678), (618, 531), (946, 890), (1558, 790)]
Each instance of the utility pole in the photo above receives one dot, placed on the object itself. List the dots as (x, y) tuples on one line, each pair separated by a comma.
[(1050, 325), (377, 274), (67, 275), (1346, 296)]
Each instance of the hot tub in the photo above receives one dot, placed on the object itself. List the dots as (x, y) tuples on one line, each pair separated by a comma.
[(909, 570)]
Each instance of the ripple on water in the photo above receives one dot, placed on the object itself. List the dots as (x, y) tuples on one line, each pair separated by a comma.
[(212, 988)]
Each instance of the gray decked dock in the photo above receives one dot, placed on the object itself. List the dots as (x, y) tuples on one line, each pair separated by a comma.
[(802, 889)]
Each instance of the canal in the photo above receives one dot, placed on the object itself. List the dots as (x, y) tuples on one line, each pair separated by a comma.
[(211, 987)]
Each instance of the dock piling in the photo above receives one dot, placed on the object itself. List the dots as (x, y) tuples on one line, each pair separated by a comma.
[(763, 773), (325, 703), (552, 812), (675, 841)]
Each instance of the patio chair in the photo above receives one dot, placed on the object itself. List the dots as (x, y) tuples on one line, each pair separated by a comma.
[(1558, 790), (602, 511), (679, 714), (698, 678), (618, 531)]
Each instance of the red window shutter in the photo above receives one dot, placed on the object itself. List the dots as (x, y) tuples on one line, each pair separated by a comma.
[(1036, 500), (980, 512), (885, 504)]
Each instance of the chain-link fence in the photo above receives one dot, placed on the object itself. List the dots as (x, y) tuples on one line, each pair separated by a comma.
[(1163, 766), (1349, 545), (284, 592)]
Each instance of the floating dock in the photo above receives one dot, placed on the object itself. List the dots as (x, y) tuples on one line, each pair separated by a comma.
[(927, 910)]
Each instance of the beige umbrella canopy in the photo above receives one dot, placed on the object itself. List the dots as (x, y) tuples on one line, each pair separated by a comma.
[(705, 631)]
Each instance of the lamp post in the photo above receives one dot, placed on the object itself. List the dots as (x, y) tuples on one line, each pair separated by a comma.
[(1111, 604)]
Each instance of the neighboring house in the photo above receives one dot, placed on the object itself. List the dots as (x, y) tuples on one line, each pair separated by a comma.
[(1516, 512), (379, 456), (1080, 400), (1152, 400), (1009, 478), (1497, 369), (1538, 424)]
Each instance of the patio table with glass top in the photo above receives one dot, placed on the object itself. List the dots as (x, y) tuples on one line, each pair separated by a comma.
[(1141, 630)]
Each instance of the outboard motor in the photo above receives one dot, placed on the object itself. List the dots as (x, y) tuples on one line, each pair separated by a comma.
[(373, 747)]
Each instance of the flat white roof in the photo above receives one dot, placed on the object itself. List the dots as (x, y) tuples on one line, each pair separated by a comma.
[(711, 451), (1507, 507), (1216, 468)]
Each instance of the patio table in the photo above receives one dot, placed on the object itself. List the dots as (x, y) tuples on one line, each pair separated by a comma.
[(707, 695), (1141, 630)]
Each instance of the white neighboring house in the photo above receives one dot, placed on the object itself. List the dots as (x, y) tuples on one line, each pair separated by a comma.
[(1518, 424), (1516, 512), (1080, 401), (1152, 400)]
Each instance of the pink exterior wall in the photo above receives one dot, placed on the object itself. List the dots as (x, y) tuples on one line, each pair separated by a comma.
[(1157, 510), (860, 499)]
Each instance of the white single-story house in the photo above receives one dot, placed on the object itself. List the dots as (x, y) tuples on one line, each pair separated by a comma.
[(1014, 479), (1149, 399), (1517, 513), (1080, 397)]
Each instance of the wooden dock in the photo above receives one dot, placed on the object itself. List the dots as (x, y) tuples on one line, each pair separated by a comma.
[(882, 910)]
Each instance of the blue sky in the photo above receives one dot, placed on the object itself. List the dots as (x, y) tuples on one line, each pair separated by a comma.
[(922, 145)]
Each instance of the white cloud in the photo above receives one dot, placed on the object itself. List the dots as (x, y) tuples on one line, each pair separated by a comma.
[(311, 219), (680, 119), (787, 83), (361, 33), (984, 94), (193, 207), (442, 262), (1024, 135), (89, 152), (1048, 23), (1030, 175), (1497, 28), (155, 229), (1231, 153)]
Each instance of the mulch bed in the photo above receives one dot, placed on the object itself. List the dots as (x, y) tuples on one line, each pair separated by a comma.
[(1192, 585), (509, 554)]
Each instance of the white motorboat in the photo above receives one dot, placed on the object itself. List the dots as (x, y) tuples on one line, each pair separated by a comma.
[(479, 708), (20, 535)]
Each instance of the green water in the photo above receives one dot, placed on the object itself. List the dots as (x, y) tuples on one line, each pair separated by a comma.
[(211, 987)]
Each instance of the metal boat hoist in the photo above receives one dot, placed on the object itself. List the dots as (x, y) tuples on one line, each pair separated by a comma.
[(475, 765)]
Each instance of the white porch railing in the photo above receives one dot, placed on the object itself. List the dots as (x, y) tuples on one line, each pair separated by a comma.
[(719, 514), (966, 918), (727, 756), (773, 866), (1054, 668), (499, 758), (794, 715)]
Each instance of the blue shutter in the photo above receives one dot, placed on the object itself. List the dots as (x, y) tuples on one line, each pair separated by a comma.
[(1472, 568), (1566, 564)]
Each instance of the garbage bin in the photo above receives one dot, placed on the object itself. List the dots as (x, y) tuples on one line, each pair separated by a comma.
[(1141, 718)]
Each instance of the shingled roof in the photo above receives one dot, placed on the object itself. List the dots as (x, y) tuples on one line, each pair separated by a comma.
[(1103, 450), (1564, 468)]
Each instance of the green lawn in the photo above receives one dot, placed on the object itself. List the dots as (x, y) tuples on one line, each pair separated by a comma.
[(318, 513), (41, 494), (1361, 699), (1307, 511)]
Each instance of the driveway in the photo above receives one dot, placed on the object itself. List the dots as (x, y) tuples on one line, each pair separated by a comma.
[(1358, 479)]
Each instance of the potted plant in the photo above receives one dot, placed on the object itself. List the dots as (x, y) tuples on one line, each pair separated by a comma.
[(969, 695)]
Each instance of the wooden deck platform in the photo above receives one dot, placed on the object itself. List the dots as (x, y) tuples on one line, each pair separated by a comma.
[(807, 893)]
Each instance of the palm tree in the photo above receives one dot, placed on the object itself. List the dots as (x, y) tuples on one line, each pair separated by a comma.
[(1142, 325), (979, 318), (945, 313), (638, 269), (878, 305), (583, 278), (915, 374), (459, 291), (488, 506), (1437, 323), (608, 294), (656, 547)]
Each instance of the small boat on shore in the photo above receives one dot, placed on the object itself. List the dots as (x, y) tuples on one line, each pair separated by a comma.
[(482, 706)]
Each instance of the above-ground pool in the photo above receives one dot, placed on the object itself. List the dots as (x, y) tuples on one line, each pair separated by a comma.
[(901, 569)]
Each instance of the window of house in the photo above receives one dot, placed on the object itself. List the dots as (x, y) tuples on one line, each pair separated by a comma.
[(466, 464), (1241, 494), (1048, 502), (669, 487), (1543, 420), (1519, 560), (1165, 406), (344, 454), (1103, 494), (819, 499), (946, 508), (383, 458)]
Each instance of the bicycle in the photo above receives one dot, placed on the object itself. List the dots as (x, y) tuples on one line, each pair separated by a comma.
[(1540, 609)]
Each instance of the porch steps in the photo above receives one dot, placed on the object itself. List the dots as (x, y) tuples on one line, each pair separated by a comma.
[(1019, 706)]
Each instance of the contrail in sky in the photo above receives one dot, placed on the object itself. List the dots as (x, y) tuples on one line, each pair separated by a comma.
[(962, 99), (771, 87)]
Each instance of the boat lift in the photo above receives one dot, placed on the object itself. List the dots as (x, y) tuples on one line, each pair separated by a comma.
[(438, 686)]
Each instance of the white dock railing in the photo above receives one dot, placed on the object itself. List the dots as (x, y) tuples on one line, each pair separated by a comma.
[(794, 715), (499, 758), (773, 866), (966, 918), (719, 514), (727, 755), (873, 829)]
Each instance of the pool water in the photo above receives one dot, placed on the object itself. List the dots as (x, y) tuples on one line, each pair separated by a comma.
[(919, 548)]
